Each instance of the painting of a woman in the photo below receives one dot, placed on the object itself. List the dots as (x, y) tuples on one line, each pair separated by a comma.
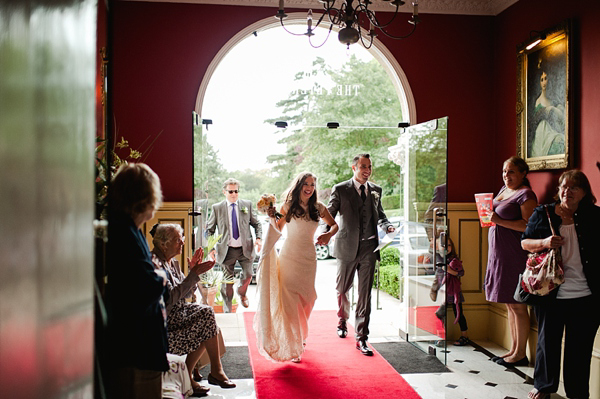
[(546, 116)]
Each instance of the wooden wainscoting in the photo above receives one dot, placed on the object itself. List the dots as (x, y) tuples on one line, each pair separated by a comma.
[(174, 213), (470, 240), (488, 321)]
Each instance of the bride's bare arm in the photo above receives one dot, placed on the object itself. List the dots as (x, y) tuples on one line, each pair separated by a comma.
[(324, 238)]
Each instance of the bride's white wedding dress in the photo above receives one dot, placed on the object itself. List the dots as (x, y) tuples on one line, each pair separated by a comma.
[(286, 289)]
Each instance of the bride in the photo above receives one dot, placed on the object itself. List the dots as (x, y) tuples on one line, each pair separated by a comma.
[(286, 282)]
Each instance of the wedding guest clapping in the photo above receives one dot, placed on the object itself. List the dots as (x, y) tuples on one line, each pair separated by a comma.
[(192, 327)]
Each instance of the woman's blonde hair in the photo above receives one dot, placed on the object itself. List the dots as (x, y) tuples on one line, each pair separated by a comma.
[(135, 188)]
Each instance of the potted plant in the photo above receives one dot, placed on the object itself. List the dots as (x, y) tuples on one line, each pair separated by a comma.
[(210, 282), (218, 305), (209, 285)]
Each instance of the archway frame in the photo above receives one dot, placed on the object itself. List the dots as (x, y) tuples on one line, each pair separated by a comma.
[(378, 50)]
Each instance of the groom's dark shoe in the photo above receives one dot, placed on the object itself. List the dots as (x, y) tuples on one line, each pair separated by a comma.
[(342, 330), (362, 346)]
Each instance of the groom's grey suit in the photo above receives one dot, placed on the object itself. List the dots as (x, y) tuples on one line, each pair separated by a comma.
[(226, 255), (354, 244)]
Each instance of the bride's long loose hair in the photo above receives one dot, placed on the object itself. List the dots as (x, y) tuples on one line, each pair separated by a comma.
[(292, 195)]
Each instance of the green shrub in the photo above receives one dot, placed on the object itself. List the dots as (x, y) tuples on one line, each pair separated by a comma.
[(390, 256), (390, 273)]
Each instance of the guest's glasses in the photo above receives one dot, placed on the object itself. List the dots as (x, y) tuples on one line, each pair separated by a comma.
[(573, 189), (233, 191)]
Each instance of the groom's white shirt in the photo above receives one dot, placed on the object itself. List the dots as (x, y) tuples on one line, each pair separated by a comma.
[(357, 185)]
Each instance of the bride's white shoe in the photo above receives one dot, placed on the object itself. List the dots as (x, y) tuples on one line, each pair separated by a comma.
[(297, 359)]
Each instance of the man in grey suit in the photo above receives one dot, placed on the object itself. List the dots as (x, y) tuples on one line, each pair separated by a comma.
[(358, 203), (233, 218)]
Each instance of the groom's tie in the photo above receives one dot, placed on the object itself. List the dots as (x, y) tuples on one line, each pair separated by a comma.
[(363, 195), (234, 224)]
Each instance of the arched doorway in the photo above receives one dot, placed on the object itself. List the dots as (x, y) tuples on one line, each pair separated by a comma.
[(378, 50), (413, 197)]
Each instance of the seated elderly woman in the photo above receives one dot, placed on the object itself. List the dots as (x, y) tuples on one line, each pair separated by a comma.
[(191, 327)]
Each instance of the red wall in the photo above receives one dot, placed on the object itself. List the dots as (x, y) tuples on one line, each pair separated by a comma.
[(513, 27), (463, 67), (161, 52)]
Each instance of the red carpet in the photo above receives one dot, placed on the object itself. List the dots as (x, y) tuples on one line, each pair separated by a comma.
[(424, 318), (331, 368)]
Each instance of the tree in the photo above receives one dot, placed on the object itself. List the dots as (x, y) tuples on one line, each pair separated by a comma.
[(360, 97), (209, 173)]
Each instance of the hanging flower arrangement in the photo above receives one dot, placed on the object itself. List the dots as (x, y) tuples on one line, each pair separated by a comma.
[(121, 153)]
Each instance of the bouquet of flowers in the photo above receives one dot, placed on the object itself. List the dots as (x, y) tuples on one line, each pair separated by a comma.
[(265, 202)]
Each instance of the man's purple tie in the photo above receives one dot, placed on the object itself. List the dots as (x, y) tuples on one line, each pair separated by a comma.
[(234, 223)]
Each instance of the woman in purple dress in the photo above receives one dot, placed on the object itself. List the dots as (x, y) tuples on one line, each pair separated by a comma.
[(513, 206)]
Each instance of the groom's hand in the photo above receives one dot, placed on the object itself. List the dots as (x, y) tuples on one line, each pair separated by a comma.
[(391, 229), (258, 245)]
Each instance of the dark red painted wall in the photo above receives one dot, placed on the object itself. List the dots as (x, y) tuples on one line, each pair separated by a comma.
[(161, 52), (463, 67), (513, 27)]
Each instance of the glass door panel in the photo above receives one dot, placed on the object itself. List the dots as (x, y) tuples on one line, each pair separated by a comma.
[(423, 227)]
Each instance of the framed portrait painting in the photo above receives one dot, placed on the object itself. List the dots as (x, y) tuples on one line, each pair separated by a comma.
[(544, 138)]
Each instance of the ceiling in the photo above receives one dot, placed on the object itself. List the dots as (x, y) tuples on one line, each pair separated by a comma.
[(459, 7)]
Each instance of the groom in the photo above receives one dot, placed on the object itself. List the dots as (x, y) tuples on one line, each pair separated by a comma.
[(233, 218), (358, 203)]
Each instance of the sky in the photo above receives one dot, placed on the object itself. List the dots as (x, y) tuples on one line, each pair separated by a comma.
[(257, 73)]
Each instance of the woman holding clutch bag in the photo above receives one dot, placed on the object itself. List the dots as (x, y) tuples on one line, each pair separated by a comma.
[(573, 307), (506, 259)]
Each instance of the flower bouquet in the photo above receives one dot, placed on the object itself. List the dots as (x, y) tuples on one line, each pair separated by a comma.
[(265, 202)]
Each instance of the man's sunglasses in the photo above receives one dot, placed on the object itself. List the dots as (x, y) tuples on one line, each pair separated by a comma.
[(232, 191)]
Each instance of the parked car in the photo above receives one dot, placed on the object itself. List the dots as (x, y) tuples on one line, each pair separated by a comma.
[(323, 251), (414, 246), (419, 255)]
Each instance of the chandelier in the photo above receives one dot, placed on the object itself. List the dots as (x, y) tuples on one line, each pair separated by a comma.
[(348, 18)]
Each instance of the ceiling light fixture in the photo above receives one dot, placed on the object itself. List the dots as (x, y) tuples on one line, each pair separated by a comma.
[(349, 17)]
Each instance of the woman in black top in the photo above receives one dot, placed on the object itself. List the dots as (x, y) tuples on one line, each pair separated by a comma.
[(137, 335), (572, 306)]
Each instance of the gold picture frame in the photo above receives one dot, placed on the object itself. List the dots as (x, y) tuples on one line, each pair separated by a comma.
[(544, 136)]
